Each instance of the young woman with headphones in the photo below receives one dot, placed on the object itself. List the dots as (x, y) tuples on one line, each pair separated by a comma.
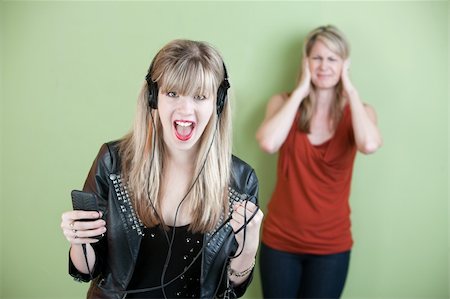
[(178, 212)]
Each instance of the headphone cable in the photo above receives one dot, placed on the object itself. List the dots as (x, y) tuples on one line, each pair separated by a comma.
[(171, 240), (169, 253)]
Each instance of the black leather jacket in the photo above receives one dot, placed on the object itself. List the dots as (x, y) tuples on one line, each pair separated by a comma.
[(117, 251)]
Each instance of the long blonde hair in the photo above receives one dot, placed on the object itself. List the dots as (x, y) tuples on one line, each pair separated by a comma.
[(187, 67), (335, 40)]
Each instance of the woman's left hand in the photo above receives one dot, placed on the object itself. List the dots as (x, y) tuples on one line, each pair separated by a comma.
[(348, 87), (364, 119), (242, 212)]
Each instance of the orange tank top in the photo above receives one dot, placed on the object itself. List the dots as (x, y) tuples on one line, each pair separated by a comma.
[(309, 211)]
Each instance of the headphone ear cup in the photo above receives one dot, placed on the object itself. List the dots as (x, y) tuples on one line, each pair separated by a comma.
[(152, 94), (222, 96)]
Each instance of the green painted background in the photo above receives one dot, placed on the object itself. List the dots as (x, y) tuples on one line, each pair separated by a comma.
[(71, 71)]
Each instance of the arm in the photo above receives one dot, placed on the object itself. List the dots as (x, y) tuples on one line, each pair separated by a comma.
[(82, 232), (245, 261), (79, 232), (364, 120), (280, 114)]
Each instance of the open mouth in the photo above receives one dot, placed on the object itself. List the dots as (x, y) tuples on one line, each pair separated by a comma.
[(184, 129)]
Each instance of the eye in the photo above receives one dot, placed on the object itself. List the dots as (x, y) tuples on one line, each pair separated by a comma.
[(200, 97), (172, 94), (332, 59)]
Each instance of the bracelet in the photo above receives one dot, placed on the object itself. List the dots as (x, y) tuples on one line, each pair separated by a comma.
[(242, 273)]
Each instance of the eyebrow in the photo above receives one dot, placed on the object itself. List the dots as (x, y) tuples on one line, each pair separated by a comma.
[(326, 56)]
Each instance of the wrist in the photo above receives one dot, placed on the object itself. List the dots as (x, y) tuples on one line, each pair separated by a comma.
[(301, 91), (241, 272), (348, 88)]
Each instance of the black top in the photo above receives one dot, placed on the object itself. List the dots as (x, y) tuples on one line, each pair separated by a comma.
[(153, 256)]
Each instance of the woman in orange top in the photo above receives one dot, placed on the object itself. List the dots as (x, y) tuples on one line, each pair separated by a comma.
[(317, 129)]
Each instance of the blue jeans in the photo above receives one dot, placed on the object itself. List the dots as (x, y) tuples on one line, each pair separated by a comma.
[(289, 275)]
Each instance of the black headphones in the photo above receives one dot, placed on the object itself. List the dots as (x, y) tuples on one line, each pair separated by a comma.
[(153, 91)]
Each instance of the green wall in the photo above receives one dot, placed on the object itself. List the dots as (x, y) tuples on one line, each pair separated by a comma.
[(71, 71)]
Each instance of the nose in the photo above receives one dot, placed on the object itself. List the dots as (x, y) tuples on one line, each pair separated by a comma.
[(323, 64), (185, 104)]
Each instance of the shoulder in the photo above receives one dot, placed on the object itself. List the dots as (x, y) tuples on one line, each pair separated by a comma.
[(105, 163), (282, 96), (239, 166), (277, 100), (275, 103), (369, 108), (108, 155)]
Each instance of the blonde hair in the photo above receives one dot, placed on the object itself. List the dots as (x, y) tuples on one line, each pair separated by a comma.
[(189, 67), (335, 40)]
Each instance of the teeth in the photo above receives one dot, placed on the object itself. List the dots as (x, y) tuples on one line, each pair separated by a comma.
[(183, 123)]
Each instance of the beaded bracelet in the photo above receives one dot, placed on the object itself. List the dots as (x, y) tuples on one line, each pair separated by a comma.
[(242, 273)]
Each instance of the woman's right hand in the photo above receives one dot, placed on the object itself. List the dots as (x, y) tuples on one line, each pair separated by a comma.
[(78, 231), (281, 111), (305, 78)]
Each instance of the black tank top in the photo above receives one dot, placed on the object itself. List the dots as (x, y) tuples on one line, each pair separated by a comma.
[(152, 258)]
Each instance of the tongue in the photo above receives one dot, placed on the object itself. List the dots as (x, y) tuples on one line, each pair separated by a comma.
[(184, 131)]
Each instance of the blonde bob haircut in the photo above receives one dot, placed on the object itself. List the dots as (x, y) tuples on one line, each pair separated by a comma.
[(187, 67), (335, 40)]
